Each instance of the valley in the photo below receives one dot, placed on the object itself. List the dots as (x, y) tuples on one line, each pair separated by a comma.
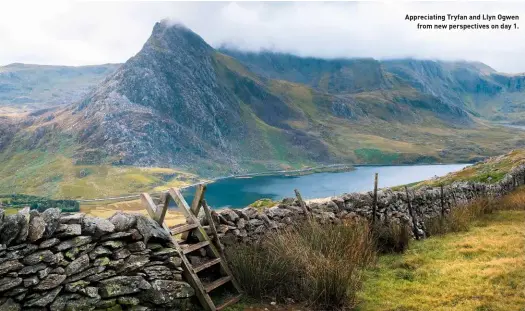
[(181, 111)]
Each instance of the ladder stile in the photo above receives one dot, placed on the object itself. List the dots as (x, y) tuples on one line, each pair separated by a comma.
[(194, 227)]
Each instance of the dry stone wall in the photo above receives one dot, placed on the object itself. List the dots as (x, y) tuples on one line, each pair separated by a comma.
[(54, 261), (67, 262), (249, 224)]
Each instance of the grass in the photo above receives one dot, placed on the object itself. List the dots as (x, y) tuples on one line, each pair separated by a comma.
[(107, 209), (473, 260), (56, 175), (263, 203), (490, 171), (316, 264), (479, 266)]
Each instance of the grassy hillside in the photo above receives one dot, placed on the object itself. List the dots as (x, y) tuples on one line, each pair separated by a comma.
[(482, 269), (56, 175), (490, 170)]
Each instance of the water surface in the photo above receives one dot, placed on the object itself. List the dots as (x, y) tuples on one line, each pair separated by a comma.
[(241, 192)]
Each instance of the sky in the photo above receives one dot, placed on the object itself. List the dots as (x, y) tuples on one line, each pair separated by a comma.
[(85, 33)]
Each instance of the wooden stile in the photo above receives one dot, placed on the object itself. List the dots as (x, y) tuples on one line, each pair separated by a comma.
[(194, 228)]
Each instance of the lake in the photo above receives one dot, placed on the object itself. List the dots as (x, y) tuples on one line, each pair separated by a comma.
[(241, 192)]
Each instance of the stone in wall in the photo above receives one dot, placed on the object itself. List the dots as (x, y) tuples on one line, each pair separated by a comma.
[(64, 262)]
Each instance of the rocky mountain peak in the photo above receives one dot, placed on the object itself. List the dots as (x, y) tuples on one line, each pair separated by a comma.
[(173, 37)]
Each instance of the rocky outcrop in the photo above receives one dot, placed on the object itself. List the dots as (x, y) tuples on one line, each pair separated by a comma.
[(54, 261), (249, 224)]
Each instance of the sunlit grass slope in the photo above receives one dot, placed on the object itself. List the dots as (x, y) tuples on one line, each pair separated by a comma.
[(489, 171), (56, 175), (482, 269)]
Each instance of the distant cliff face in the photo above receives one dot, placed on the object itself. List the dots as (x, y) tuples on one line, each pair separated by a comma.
[(181, 103)]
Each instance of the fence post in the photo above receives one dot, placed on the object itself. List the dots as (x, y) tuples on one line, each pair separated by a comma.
[(412, 214), (374, 203), (442, 202), (303, 204)]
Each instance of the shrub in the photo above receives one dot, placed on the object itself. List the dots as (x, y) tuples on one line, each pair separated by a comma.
[(313, 263)]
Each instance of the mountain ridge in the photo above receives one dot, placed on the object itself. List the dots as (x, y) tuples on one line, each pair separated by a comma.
[(180, 103)]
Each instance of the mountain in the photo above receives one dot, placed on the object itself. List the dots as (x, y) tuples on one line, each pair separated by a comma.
[(183, 105), (25, 86), (472, 86)]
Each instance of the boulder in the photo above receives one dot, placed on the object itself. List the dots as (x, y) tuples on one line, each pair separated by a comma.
[(115, 236), (41, 256), (37, 227), (229, 214), (10, 228), (78, 265), (158, 272), (96, 226), (137, 246), (123, 221), (75, 242), (133, 263), (75, 218), (82, 304), (149, 228), (99, 251), (7, 283), (122, 285), (24, 225), (51, 217), (51, 281), (32, 269), (11, 265), (44, 299), (85, 274), (69, 230), (49, 243), (10, 305), (121, 254), (30, 281), (163, 292)]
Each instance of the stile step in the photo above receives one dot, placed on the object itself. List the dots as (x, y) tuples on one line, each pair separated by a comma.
[(213, 285), (193, 247), (183, 228), (229, 302), (206, 265)]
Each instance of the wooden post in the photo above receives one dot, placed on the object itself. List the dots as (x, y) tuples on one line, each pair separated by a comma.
[(160, 214), (442, 202), (199, 196), (212, 227), (303, 204), (453, 196), (374, 202), (412, 214)]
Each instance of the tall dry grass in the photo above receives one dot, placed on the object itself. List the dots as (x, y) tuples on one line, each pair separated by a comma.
[(461, 217), (312, 263), (391, 237)]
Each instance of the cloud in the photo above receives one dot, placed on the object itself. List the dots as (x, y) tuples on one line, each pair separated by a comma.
[(80, 33)]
